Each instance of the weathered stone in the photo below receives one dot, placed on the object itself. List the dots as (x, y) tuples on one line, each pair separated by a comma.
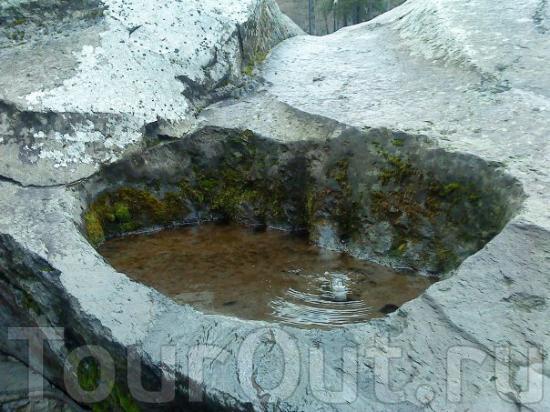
[(470, 78), (107, 69), (20, 393)]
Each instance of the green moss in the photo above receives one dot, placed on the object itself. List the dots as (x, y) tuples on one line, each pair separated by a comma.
[(175, 207), (276, 197), (124, 400), (247, 135), (445, 258), (88, 375), (30, 304), (89, 378), (402, 248), (397, 142), (340, 204), (399, 246), (340, 173), (395, 205), (311, 206), (450, 188), (238, 186), (129, 227), (398, 171), (142, 205), (122, 213), (415, 204), (16, 35), (208, 184), (94, 228), (228, 199), (258, 58), (233, 192), (130, 209), (188, 191), (249, 69), (18, 22)]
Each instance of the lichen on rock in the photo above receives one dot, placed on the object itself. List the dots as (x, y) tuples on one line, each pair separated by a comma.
[(380, 200), (110, 112)]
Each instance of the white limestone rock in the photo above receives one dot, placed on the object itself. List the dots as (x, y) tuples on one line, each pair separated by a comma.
[(128, 62), (471, 76)]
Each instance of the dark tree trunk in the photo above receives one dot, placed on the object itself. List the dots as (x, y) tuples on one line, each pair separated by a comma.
[(357, 14)]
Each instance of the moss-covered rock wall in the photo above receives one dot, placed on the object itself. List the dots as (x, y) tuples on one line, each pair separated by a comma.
[(378, 195)]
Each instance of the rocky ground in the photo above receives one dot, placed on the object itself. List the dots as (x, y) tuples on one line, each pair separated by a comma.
[(86, 84)]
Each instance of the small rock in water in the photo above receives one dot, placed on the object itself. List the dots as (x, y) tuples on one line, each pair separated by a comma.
[(294, 271), (389, 308), (339, 290)]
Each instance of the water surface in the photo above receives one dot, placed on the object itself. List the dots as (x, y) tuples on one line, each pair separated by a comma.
[(268, 275)]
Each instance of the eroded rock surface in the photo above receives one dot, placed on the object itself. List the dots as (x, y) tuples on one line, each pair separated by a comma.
[(414, 206), (124, 64), (468, 79), (17, 395)]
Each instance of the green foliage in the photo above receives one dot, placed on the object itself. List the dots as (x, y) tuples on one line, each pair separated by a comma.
[(356, 10)]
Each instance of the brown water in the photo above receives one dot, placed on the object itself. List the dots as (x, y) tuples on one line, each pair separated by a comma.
[(269, 275)]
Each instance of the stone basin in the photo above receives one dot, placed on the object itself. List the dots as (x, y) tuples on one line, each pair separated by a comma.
[(329, 188), (387, 197), (447, 100)]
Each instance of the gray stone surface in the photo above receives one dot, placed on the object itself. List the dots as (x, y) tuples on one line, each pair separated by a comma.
[(24, 390), (470, 76), (124, 64), (473, 78)]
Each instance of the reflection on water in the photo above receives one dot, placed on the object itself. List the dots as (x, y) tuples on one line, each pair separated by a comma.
[(269, 275)]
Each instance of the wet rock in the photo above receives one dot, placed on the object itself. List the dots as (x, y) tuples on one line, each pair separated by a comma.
[(19, 393), (243, 177), (389, 308), (467, 78), (149, 62)]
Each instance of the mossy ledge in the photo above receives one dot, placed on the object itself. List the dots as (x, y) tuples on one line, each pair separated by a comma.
[(403, 204), (130, 209), (89, 378), (237, 186)]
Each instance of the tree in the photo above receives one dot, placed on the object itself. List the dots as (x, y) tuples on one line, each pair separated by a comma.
[(347, 12)]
